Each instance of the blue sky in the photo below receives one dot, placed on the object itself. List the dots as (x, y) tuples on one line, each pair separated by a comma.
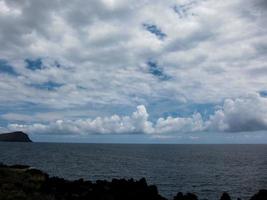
[(182, 71)]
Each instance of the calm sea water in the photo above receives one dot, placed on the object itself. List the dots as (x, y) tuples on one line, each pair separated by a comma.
[(206, 170)]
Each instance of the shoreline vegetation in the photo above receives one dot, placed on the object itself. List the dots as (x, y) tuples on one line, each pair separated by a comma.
[(23, 182)]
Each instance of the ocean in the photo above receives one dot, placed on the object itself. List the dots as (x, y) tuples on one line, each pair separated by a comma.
[(206, 170)]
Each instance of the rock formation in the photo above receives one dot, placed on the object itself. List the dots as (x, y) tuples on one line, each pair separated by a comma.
[(22, 182), (17, 136)]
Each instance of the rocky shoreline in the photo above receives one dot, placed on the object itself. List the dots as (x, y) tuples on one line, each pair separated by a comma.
[(23, 182)]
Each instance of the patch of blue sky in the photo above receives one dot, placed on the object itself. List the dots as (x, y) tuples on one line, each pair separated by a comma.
[(180, 11), (155, 30), (205, 109), (34, 64), (3, 123), (263, 93), (170, 107), (183, 10), (20, 108), (157, 71), (7, 68), (24, 107), (50, 85)]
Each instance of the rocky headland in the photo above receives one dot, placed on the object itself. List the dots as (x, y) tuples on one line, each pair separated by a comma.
[(17, 136)]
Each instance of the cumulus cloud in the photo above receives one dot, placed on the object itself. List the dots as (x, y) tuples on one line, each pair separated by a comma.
[(136, 123), (179, 124), (241, 114), (96, 56), (238, 115)]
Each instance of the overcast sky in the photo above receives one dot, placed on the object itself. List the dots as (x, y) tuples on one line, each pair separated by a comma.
[(181, 71)]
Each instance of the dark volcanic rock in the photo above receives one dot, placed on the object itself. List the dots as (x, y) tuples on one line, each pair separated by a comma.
[(117, 189), (23, 182), (17, 136), (261, 195), (225, 196), (188, 196), (32, 184)]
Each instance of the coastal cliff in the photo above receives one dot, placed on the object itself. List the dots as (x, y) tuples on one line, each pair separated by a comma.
[(22, 182), (17, 136)]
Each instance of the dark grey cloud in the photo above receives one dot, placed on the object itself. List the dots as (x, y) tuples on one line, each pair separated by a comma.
[(259, 71), (261, 4), (261, 48), (241, 115)]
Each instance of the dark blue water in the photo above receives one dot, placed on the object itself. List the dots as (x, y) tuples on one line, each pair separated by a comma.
[(206, 170)]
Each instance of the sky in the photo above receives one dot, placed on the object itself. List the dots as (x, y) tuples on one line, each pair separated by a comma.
[(141, 71)]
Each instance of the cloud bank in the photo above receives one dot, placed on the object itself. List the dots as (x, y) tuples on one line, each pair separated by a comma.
[(68, 66), (100, 52), (239, 115)]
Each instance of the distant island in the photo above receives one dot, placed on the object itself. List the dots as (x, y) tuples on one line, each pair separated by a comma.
[(17, 136), (24, 182)]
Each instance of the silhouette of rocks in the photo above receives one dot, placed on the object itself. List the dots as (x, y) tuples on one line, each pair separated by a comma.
[(225, 196), (188, 196), (119, 189), (27, 183), (19, 166), (261, 195), (17, 136), (23, 182)]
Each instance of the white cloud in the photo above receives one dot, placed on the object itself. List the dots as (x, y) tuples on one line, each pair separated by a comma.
[(102, 49), (136, 123), (3, 129), (99, 43), (179, 124), (241, 114)]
